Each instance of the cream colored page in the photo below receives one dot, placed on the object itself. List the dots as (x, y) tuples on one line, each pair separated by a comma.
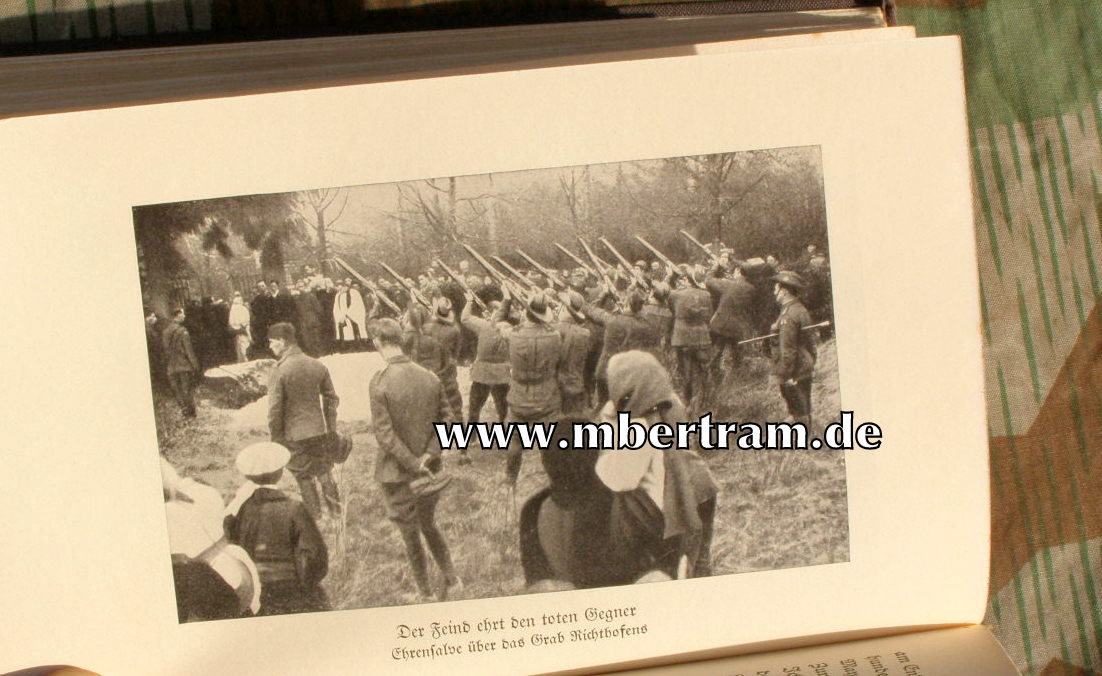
[(85, 578), (944, 652)]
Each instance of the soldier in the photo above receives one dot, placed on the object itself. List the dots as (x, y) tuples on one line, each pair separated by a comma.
[(657, 312), (731, 321), (692, 308), (535, 353), (575, 347), (795, 352), (181, 364), (624, 330), (278, 534), (490, 370), (406, 399), (302, 416), (441, 328)]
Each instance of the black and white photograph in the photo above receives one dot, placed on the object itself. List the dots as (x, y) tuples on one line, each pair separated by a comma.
[(302, 345)]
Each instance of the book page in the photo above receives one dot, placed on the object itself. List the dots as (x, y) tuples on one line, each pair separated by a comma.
[(870, 137), (961, 650)]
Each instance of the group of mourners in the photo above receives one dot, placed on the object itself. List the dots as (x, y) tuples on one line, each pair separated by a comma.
[(547, 346)]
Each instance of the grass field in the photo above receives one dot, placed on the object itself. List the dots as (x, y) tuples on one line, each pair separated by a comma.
[(777, 509)]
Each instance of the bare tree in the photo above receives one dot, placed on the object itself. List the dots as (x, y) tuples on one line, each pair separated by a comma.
[(313, 207)]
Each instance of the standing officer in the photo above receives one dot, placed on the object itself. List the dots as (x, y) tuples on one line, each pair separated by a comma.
[(302, 415), (406, 399), (795, 354), (182, 366)]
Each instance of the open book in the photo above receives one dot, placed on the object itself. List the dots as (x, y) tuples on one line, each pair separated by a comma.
[(368, 231)]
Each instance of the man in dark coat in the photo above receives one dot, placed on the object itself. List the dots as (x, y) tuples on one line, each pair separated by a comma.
[(181, 363), (309, 321), (624, 330), (154, 330), (261, 313), (327, 332), (283, 306), (406, 399), (278, 533), (731, 322), (796, 348), (302, 415)]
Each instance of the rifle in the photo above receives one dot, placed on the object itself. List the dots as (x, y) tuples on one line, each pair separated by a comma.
[(555, 282), (495, 273), (706, 250), (632, 274), (529, 284), (577, 260), (383, 298), (410, 289), (657, 254), (466, 288), (600, 271), (774, 335)]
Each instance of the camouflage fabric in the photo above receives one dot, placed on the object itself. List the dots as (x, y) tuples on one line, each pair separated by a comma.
[(1033, 75)]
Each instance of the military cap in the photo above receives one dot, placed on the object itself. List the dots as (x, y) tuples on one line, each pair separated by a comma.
[(262, 458), (789, 279)]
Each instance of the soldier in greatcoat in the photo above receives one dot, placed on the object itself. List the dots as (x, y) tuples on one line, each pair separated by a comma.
[(406, 399)]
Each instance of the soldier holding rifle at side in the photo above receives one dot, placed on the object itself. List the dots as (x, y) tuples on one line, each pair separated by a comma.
[(796, 347)]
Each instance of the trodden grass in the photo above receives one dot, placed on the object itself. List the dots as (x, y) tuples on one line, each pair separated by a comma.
[(777, 509)]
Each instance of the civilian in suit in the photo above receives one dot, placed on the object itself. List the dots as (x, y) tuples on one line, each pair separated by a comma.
[(302, 415), (406, 399)]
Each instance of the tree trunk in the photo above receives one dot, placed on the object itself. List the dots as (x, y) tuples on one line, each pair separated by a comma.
[(323, 248)]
